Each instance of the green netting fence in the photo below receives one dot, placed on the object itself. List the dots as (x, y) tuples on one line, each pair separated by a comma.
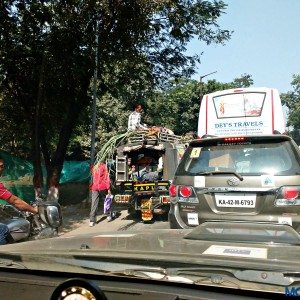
[(18, 175)]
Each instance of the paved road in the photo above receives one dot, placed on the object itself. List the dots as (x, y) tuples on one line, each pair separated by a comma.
[(123, 222)]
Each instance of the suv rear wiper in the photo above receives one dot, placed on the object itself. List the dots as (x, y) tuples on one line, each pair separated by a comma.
[(239, 176)]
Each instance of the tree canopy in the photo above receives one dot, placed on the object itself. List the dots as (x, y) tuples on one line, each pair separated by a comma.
[(47, 61), (291, 100), (178, 106)]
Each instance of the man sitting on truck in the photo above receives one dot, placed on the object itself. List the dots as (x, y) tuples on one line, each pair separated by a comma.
[(134, 123), (154, 175), (146, 174), (132, 174), (134, 120)]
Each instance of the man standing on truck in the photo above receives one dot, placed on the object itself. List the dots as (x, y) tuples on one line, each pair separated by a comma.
[(134, 123), (134, 120)]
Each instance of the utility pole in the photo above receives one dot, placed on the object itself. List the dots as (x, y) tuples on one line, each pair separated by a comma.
[(94, 107), (200, 81)]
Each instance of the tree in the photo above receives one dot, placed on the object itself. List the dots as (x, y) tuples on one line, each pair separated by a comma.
[(47, 59), (178, 107), (291, 100)]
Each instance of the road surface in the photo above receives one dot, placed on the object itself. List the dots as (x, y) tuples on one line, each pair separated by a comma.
[(123, 222)]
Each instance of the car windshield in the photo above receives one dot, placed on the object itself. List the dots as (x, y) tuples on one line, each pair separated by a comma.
[(249, 159), (126, 124), (245, 232)]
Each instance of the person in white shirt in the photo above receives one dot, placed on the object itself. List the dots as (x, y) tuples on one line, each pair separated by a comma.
[(134, 120)]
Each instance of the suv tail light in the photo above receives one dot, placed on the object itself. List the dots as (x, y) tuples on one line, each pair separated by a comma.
[(184, 194), (185, 191), (288, 195)]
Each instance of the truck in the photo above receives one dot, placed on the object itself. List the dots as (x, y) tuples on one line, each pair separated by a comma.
[(145, 165)]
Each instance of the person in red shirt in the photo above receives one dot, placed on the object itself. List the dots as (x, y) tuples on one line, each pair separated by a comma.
[(100, 187), (7, 196)]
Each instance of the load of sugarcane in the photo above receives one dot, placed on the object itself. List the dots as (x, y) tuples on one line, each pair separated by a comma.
[(108, 149)]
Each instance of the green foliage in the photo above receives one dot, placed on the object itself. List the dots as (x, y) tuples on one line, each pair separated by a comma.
[(47, 60), (178, 106), (291, 100), (14, 136)]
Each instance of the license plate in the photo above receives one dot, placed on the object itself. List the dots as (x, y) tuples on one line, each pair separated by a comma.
[(146, 204), (240, 200)]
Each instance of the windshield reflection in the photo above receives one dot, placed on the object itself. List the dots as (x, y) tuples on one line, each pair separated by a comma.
[(245, 232)]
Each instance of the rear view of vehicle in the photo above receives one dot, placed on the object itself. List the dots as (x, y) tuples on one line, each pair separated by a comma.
[(242, 111), (251, 178), (145, 165)]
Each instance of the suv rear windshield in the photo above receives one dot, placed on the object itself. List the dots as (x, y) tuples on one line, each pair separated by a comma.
[(278, 158)]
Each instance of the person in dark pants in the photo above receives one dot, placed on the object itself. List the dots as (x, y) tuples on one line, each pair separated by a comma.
[(7, 196), (100, 187)]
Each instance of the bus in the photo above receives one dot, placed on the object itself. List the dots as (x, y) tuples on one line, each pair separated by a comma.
[(241, 111)]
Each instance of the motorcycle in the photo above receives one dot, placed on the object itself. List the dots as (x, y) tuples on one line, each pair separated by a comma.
[(27, 226)]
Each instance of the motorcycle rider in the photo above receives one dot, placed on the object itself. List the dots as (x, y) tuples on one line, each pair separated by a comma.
[(7, 196)]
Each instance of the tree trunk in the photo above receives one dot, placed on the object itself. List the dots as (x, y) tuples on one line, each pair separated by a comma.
[(57, 160), (37, 163)]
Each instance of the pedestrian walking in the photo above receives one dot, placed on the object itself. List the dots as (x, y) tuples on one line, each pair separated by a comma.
[(100, 187)]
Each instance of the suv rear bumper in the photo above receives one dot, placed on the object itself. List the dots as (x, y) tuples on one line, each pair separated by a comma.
[(174, 218), (177, 222)]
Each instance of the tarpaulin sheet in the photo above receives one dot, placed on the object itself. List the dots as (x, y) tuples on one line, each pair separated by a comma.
[(18, 175)]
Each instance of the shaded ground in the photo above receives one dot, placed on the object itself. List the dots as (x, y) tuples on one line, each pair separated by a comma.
[(74, 216), (76, 219), (75, 205), (77, 215), (75, 211), (73, 193)]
